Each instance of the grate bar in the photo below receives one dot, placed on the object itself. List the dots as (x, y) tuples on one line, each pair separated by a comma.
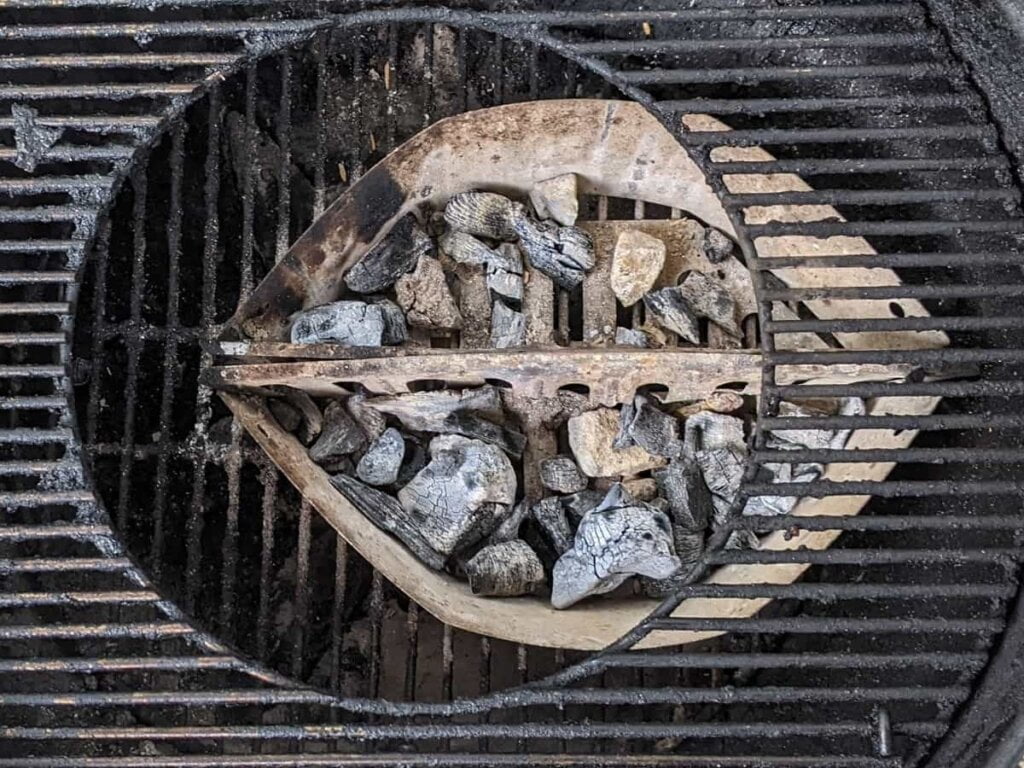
[(867, 557), (888, 488), (63, 564), (40, 599), (111, 91), (757, 75), (830, 625), (929, 323), (33, 402), (117, 61), (155, 630), (119, 664), (990, 388), (868, 197), (794, 42), (36, 278), (52, 531), (902, 455), (944, 660), (768, 136), (809, 166), (34, 308), (769, 523), (763, 106), (892, 260)]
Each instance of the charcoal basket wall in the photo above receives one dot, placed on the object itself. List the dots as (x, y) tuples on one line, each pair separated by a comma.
[(166, 597)]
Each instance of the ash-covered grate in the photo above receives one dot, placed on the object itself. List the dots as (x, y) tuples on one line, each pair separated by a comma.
[(863, 662)]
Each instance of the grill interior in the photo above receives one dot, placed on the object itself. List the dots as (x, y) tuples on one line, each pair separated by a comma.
[(174, 601)]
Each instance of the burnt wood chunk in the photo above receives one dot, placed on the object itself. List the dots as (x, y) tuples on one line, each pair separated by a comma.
[(395, 254), (643, 423), (688, 497), (561, 475), (484, 214), (551, 520), (508, 327), (426, 411), (341, 435), (473, 426), (505, 570), (565, 254), (670, 309), (709, 298)]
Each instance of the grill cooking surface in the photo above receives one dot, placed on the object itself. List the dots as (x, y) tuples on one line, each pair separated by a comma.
[(178, 604)]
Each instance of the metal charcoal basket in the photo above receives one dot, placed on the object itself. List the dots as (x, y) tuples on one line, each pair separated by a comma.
[(616, 149)]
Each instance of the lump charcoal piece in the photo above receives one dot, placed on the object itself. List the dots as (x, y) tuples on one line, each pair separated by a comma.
[(287, 416), (551, 519), (722, 470), (370, 419), (312, 419), (641, 488), (339, 465), (578, 504), (349, 323), (425, 297), (426, 411), (463, 248), (717, 245), (707, 430), (643, 423), (397, 253), (505, 570), (557, 199), (388, 515), (508, 529), (591, 437), (565, 254), (415, 460), (505, 283), (683, 488), (637, 261), (457, 495), (508, 327), (669, 307), (709, 298), (561, 475), (383, 459), (689, 548), (395, 331), (619, 538), (631, 338), (473, 426), (340, 436), (484, 214)]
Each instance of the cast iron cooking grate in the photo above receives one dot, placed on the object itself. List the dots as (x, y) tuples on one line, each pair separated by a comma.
[(177, 604)]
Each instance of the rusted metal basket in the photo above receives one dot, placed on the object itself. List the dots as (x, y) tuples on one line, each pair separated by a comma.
[(616, 149)]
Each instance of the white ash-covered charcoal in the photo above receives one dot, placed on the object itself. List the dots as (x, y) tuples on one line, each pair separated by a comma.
[(722, 470), (340, 436), (505, 570), (397, 253), (508, 327), (463, 248), (620, 538), (689, 548), (637, 261), (561, 475), (426, 411), (349, 323), (553, 523), (484, 214), (557, 198), (370, 419), (382, 460), (708, 430), (683, 488), (629, 337), (476, 427), (387, 514), (462, 494), (670, 308), (395, 330), (591, 438), (577, 505), (505, 283), (643, 423), (565, 254), (425, 297), (641, 488), (285, 413), (708, 298), (717, 246), (508, 529)]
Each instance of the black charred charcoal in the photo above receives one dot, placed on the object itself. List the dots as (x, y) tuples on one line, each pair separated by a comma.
[(396, 253)]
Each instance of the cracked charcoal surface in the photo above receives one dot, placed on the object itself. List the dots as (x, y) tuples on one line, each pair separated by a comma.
[(708, 298), (578, 504), (619, 538), (637, 261), (553, 523), (557, 198), (688, 497), (565, 254), (689, 547), (504, 570), (341, 435), (508, 327), (426, 411), (425, 297), (349, 323), (722, 470), (386, 513), (643, 423), (473, 426), (484, 214), (631, 338), (708, 430), (456, 494), (561, 475), (32, 141), (717, 246), (383, 459), (397, 253), (669, 307)]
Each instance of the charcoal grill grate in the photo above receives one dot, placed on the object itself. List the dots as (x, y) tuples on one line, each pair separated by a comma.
[(863, 663)]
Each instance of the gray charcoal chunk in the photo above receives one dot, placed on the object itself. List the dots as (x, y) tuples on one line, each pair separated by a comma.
[(340, 436), (742, 540), (578, 504), (689, 548), (471, 425), (709, 298), (670, 309), (312, 419), (508, 327), (383, 459), (484, 214), (415, 460), (286, 414), (387, 514), (565, 254), (717, 246), (395, 254), (426, 411), (619, 538), (643, 423), (508, 529), (722, 469), (370, 419), (349, 323), (707, 430), (339, 465), (463, 248), (505, 283), (629, 337), (505, 570), (550, 518), (395, 331), (462, 494), (687, 496), (561, 475)]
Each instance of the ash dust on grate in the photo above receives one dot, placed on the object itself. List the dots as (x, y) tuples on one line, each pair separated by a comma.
[(635, 490)]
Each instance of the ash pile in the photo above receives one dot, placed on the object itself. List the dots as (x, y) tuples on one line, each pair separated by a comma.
[(629, 496)]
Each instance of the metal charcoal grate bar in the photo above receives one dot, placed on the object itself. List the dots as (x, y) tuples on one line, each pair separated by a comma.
[(862, 663)]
